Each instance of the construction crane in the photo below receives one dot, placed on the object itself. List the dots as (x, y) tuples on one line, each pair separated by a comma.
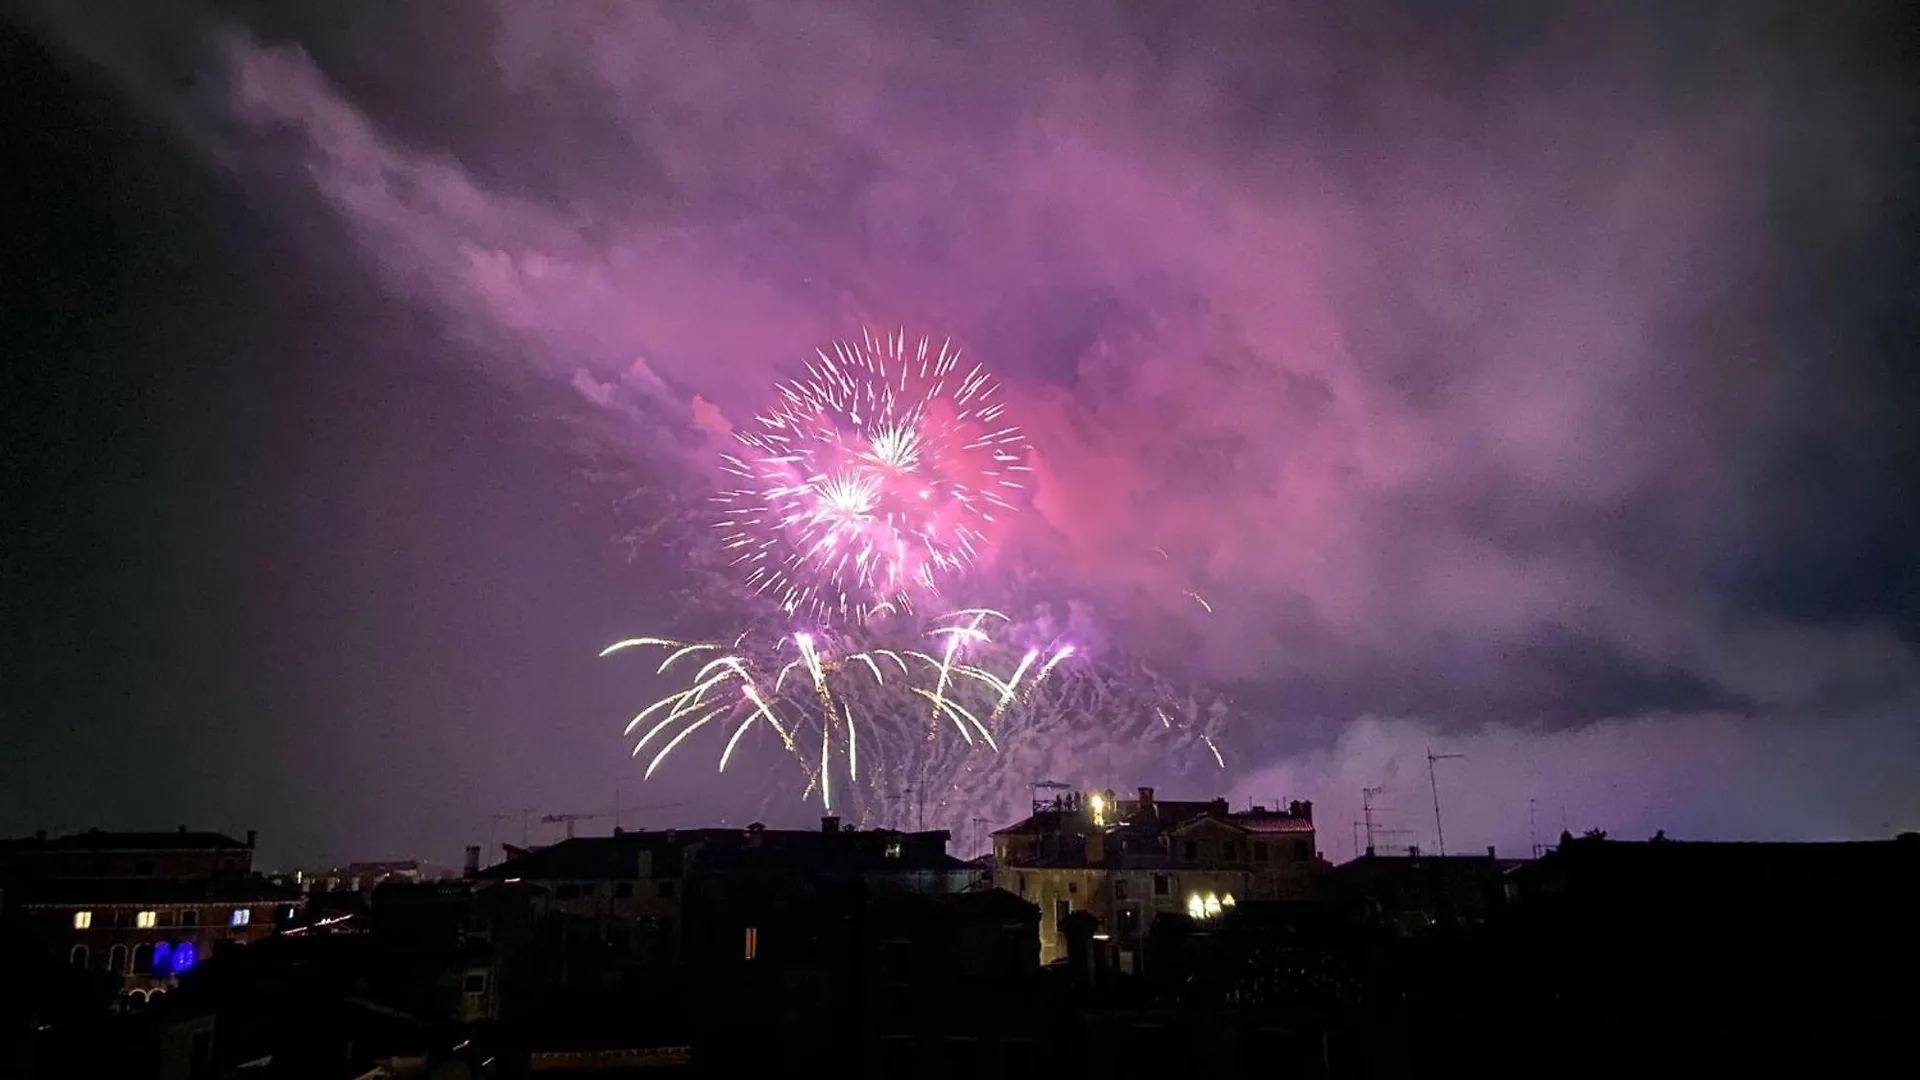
[(569, 820)]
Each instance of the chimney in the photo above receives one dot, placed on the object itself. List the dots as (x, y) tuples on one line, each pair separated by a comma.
[(830, 824), (618, 831), (1219, 807), (756, 832), (40, 835), (252, 837), (473, 860), (1146, 799), (1302, 809), (183, 830), (1413, 852), (1490, 853)]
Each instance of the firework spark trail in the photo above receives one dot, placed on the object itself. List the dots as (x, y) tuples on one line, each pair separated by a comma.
[(871, 480), (835, 679)]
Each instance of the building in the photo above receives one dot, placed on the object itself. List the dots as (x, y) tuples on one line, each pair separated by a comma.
[(633, 888), (1129, 861), (1414, 893), (140, 907)]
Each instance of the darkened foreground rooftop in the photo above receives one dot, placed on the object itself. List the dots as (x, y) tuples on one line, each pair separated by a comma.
[(100, 840), (668, 853)]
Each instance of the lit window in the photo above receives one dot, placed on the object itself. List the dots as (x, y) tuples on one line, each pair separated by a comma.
[(162, 958), (753, 942), (1205, 907), (183, 956), (242, 916), (146, 920), (82, 920)]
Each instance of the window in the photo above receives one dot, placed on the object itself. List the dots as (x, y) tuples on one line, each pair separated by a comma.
[(143, 959), (666, 890), (896, 1056), (1021, 881), (1233, 851), (963, 1055), (623, 890), (241, 916), (1120, 888), (189, 918), (143, 868), (145, 920), (1303, 850), (753, 942), (83, 920), (1162, 886), (78, 957), (893, 849), (166, 918), (162, 958), (183, 956), (1061, 909), (1073, 888), (896, 963), (474, 984), (1259, 851), (117, 960), (1189, 851)]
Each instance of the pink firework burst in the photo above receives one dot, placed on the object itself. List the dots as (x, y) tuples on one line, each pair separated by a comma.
[(872, 481)]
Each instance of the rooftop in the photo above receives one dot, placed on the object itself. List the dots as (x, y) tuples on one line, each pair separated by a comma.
[(100, 840), (669, 852), (106, 892)]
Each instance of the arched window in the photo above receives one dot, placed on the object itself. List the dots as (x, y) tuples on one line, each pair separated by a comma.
[(78, 957), (162, 958), (143, 959), (117, 960), (183, 956)]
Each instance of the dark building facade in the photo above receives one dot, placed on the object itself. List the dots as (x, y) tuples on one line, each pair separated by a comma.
[(141, 908)]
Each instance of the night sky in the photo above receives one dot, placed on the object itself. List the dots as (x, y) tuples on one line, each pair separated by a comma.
[(1530, 381)]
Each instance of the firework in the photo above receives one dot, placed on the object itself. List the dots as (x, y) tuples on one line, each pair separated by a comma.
[(838, 701), (867, 491), (872, 481)]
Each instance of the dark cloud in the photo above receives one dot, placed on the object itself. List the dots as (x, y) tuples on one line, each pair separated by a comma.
[(1513, 363)]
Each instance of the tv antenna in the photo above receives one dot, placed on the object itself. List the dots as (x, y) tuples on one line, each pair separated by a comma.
[(1366, 811), (1433, 781)]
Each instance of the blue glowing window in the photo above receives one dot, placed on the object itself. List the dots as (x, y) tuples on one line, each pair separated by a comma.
[(160, 958), (182, 956)]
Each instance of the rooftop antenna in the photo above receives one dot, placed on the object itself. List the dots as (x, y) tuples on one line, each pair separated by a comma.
[(1366, 809), (1533, 834), (1433, 781)]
